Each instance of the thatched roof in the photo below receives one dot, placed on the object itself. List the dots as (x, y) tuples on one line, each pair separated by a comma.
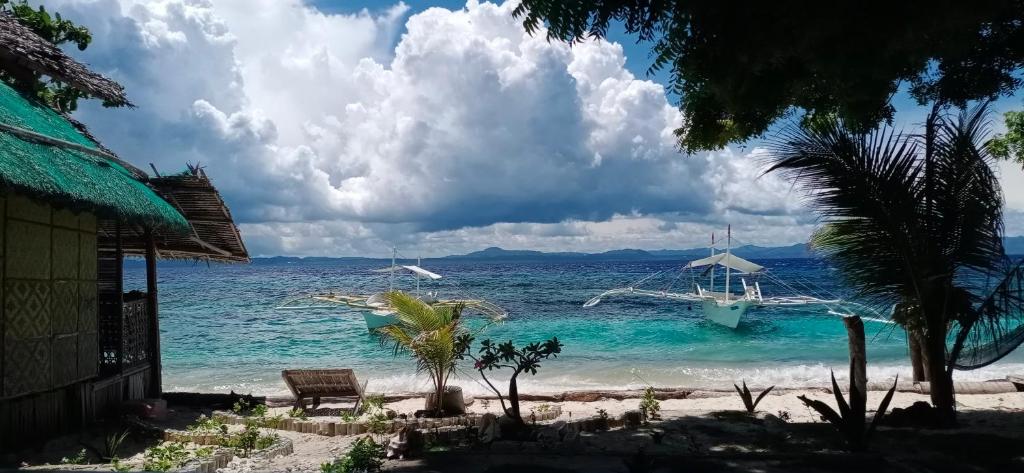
[(213, 235), (20, 47), (42, 155)]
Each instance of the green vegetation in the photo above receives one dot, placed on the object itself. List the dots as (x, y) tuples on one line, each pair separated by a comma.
[(165, 457), (849, 421), (365, 456), (837, 58), (80, 458), (298, 413), (58, 31), (1010, 145), (116, 465), (650, 408), (430, 334), (907, 219), (247, 440), (506, 356), (206, 424), (748, 398), (602, 419)]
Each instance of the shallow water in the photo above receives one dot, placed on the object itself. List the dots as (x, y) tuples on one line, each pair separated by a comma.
[(221, 329)]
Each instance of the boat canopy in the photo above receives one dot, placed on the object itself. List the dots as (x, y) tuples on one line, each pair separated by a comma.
[(728, 260), (411, 268)]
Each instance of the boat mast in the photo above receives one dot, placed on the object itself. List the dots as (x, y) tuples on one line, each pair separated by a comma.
[(728, 245), (391, 274), (712, 266)]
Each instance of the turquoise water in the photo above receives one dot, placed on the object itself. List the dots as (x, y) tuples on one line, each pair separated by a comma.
[(221, 329)]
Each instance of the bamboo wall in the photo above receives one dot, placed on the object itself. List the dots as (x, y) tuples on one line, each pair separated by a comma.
[(48, 321)]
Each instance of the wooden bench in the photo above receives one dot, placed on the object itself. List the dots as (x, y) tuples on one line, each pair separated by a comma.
[(321, 383)]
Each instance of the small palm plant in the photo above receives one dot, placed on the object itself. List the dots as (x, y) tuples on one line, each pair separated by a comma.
[(430, 334), (849, 421), (748, 398)]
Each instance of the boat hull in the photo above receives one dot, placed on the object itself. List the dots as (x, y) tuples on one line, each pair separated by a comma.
[(726, 314), (376, 319)]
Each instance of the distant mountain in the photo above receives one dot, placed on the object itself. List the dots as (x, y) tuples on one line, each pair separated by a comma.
[(747, 251), (1014, 245)]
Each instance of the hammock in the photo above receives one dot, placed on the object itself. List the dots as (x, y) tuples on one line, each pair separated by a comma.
[(998, 328)]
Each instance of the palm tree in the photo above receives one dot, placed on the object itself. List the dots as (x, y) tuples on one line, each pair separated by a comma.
[(431, 334), (907, 220)]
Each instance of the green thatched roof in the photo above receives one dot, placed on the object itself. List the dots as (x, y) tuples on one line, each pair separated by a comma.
[(38, 164)]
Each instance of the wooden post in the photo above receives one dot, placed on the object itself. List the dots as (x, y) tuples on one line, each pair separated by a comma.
[(119, 296), (858, 365), (155, 378)]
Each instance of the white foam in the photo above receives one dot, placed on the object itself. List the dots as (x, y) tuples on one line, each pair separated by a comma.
[(553, 381)]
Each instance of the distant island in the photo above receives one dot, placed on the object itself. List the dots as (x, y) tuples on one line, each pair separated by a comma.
[(1014, 246)]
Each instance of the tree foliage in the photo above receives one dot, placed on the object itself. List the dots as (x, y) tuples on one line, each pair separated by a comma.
[(58, 31), (739, 67), (1010, 145), (527, 359), (908, 218)]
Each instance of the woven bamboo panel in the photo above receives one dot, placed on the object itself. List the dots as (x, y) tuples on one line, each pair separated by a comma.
[(27, 309)]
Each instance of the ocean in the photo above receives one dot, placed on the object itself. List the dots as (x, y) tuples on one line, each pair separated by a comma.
[(221, 328)]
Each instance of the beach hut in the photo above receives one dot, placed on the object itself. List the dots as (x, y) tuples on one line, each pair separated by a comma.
[(73, 345)]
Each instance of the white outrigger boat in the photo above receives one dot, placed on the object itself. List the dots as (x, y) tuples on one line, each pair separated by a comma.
[(375, 308), (721, 307)]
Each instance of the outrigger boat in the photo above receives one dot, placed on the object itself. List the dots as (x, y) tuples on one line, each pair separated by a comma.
[(375, 308), (722, 307)]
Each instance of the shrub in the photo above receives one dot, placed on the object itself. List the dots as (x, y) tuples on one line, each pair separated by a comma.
[(80, 458), (649, 406), (298, 413), (165, 457), (365, 456)]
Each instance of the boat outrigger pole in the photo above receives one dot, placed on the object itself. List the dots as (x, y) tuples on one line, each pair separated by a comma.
[(728, 243), (723, 307), (391, 275)]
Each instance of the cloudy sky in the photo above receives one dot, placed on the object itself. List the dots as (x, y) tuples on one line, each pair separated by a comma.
[(343, 127)]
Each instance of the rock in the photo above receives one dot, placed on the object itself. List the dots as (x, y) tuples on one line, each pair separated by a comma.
[(631, 419), (919, 414), (398, 446), (571, 433), (489, 428), (548, 435)]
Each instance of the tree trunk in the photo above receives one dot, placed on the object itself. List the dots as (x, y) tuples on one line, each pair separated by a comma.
[(918, 357), (513, 398), (858, 369), (940, 382)]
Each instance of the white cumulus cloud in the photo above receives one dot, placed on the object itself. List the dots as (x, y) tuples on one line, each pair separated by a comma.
[(452, 130)]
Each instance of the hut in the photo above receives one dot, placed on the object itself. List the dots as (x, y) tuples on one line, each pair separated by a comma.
[(73, 346)]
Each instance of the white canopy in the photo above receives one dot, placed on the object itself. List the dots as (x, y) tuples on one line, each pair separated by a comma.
[(415, 269), (728, 260), (423, 272)]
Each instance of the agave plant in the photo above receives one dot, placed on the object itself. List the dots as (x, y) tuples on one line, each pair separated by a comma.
[(849, 421), (908, 219), (748, 398), (430, 334)]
